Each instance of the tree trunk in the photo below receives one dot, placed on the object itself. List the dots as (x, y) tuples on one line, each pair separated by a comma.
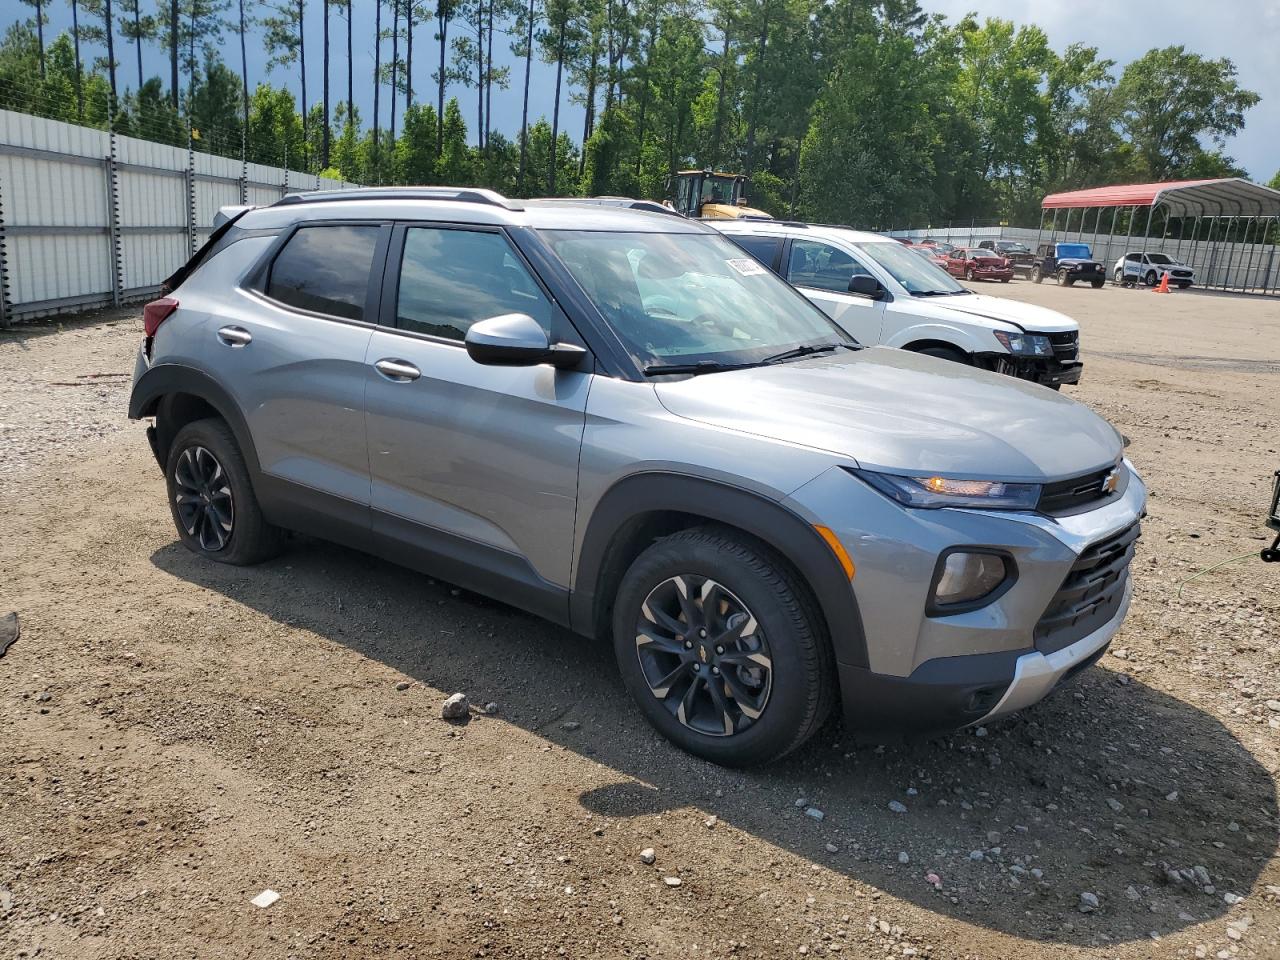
[(480, 74), (524, 112), (377, 82), (724, 69), (137, 37), (324, 88), (40, 33), (755, 95), (442, 17), (173, 52), (351, 86), (395, 62), (409, 19), (244, 81), (302, 70), (589, 121), (555, 112), (488, 81), (109, 22), (644, 94), (75, 39)]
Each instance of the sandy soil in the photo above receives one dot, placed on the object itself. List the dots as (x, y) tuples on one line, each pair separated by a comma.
[(176, 736)]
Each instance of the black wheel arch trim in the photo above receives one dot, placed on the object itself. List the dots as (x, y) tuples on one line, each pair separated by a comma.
[(757, 515), (170, 379)]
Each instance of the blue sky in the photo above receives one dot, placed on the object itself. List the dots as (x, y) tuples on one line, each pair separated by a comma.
[(1248, 31)]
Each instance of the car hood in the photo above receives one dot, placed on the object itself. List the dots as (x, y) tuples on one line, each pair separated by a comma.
[(1024, 315), (1072, 261), (892, 410)]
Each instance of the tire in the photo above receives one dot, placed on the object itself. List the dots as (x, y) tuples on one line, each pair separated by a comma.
[(1005, 279), (1063, 279), (1037, 277), (1097, 284), (1119, 277), (793, 686), (944, 353), (207, 470), (968, 275), (1151, 279), (1184, 285)]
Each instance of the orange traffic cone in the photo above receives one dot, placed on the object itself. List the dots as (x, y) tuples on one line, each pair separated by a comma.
[(1164, 283)]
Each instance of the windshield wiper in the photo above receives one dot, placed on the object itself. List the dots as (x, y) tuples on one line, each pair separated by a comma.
[(805, 350), (932, 293), (702, 366)]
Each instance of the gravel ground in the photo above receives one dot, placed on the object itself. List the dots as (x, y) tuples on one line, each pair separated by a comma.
[(177, 737)]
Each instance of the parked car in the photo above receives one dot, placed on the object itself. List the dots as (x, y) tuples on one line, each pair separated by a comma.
[(1067, 263), (1018, 254), (974, 263), (1138, 267), (881, 293), (619, 421), (941, 246), (932, 254)]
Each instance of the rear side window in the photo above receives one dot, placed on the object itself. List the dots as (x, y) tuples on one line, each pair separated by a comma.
[(764, 249), (325, 269), (450, 279), (819, 265)]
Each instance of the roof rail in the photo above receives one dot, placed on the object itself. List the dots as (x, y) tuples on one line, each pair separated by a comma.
[(625, 203), (457, 194)]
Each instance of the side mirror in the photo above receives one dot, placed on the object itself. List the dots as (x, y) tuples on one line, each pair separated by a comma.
[(865, 285), (517, 340)]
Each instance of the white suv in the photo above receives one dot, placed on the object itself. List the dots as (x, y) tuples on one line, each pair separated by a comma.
[(882, 292), (1138, 267)]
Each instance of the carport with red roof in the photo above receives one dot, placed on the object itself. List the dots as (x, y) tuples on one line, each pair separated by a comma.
[(1237, 250)]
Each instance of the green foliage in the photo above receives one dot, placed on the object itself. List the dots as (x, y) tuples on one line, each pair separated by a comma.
[(862, 111)]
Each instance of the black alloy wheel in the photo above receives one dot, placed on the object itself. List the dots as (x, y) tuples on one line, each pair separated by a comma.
[(203, 500), (703, 655)]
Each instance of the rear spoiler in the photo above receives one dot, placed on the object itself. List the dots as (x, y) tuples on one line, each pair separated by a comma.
[(222, 222)]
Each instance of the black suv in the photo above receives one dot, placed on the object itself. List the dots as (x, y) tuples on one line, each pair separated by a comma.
[(1018, 254), (1068, 262)]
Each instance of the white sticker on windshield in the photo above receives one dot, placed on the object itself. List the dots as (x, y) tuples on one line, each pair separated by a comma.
[(746, 266)]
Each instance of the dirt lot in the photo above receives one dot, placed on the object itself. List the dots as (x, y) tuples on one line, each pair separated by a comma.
[(176, 737)]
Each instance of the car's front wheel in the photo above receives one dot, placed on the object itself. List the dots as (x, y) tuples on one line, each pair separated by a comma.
[(1151, 279), (1064, 280), (721, 647), (212, 499)]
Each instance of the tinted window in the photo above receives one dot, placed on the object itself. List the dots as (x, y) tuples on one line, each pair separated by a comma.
[(326, 270), (820, 265), (449, 279), (763, 249)]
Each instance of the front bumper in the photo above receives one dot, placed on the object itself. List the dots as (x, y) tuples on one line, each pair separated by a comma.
[(926, 674)]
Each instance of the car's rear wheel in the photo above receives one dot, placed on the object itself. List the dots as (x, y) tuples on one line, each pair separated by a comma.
[(212, 499), (721, 647), (1037, 276)]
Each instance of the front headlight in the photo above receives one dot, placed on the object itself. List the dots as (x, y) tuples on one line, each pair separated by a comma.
[(933, 492), (1025, 344)]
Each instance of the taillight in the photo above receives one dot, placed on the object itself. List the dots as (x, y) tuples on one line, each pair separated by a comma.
[(156, 312)]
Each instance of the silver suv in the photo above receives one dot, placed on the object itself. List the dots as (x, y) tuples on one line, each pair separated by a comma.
[(621, 422)]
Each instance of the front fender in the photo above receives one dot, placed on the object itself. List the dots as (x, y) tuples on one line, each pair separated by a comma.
[(633, 497), (980, 340)]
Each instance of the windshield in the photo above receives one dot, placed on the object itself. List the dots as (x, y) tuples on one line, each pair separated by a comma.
[(1158, 258), (919, 275), (1073, 251), (1013, 247), (690, 297), (717, 190)]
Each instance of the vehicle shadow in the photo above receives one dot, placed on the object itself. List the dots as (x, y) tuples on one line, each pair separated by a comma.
[(1108, 787)]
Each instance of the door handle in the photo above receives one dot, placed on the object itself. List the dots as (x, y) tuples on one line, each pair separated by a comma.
[(235, 336), (397, 371)]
